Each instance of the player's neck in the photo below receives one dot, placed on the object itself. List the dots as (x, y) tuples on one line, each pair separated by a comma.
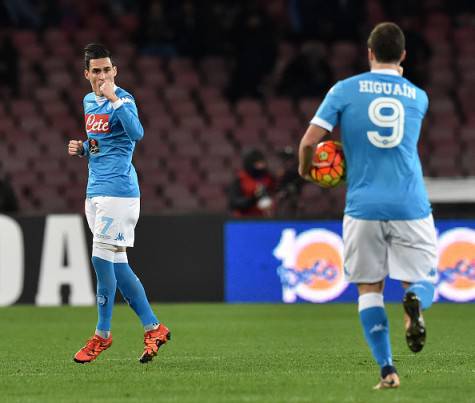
[(384, 66)]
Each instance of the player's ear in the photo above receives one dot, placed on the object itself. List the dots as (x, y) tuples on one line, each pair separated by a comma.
[(403, 56), (370, 55), (86, 74), (114, 70)]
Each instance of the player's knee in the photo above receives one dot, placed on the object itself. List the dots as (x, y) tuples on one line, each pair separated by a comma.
[(106, 246), (370, 288), (104, 251)]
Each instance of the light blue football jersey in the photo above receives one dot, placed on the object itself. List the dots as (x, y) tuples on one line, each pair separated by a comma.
[(112, 131), (380, 115)]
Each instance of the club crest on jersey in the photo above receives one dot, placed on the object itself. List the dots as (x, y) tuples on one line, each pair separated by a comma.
[(456, 267), (97, 123), (312, 265), (93, 146)]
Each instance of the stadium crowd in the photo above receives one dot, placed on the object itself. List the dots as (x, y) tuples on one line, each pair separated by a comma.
[(212, 79)]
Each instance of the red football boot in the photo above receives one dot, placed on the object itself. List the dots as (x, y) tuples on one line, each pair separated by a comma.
[(94, 346), (153, 340)]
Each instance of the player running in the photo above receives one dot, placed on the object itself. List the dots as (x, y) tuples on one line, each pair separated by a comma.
[(388, 227), (112, 202)]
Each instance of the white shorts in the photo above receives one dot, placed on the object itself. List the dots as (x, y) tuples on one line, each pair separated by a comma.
[(112, 220), (404, 250)]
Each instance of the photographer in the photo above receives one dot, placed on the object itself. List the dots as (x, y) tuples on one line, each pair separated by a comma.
[(251, 193)]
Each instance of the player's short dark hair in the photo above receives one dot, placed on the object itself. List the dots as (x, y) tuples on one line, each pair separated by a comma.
[(94, 51), (387, 42)]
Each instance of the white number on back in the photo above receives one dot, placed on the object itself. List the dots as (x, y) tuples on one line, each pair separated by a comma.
[(395, 120)]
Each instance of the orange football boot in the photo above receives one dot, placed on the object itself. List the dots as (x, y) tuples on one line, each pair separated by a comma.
[(94, 346), (153, 340)]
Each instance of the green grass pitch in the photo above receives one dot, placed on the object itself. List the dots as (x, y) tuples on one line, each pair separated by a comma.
[(233, 353)]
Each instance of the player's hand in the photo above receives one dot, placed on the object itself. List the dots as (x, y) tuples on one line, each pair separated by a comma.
[(75, 147), (107, 89), (308, 178)]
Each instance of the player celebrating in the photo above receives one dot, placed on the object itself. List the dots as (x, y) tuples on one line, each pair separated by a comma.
[(112, 202), (388, 226)]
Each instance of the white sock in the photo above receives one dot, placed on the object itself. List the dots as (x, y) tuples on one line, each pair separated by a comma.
[(152, 326), (105, 334)]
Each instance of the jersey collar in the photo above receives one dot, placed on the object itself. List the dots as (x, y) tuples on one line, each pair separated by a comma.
[(385, 71)]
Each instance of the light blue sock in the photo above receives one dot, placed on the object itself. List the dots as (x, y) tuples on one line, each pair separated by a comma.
[(106, 286), (132, 290), (376, 327), (424, 291)]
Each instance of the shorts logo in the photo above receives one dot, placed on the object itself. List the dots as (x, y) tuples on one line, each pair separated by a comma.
[(97, 123), (312, 265), (457, 264), (119, 237)]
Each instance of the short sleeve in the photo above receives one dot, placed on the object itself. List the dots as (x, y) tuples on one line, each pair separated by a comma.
[(328, 114)]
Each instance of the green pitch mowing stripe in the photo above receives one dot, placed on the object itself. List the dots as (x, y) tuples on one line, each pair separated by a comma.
[(233, 353)]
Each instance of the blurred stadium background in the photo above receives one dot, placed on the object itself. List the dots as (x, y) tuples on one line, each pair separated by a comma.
[(212, 78)]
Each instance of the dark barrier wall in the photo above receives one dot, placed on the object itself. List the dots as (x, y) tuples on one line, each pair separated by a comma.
[(180, 258), (46, 260)]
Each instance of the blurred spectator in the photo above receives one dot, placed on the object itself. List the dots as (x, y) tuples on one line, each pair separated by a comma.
[(256, 50), (119, 8), (221, 17), (308, 75), (252, 190), (327, 20), (288, 184), (8, 64), (69, 15), (190, 30), (22, 13), (416, 64), (8, 199), (157, 35)]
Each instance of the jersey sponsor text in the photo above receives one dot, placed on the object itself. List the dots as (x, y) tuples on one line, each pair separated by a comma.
[(97, 123)]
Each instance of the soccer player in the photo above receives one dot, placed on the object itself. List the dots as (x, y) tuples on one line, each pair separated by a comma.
[(112, 202), (388, 227)]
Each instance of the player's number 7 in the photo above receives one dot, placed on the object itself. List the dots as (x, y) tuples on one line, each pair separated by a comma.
[(107, 223), (393, 120)]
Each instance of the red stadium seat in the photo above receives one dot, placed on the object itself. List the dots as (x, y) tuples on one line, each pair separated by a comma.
[(255, 122), (217, 107), (224, 123), (249, 108)]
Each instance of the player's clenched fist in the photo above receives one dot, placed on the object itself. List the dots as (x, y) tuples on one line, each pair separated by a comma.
[(107, 89), (75, 147)]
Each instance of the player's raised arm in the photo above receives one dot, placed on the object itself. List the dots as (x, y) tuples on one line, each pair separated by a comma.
[(312, 136), (126, 111)]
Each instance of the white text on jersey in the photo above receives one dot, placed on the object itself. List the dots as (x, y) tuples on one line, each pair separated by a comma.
[(378, 87)]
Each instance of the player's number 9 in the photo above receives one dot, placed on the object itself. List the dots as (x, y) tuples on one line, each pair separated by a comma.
[(393, 120)]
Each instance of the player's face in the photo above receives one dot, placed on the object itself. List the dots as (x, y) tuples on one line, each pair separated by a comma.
[(100, 71)]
